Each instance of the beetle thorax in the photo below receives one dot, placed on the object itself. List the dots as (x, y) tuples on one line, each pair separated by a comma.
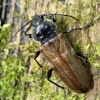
[(45, 31)]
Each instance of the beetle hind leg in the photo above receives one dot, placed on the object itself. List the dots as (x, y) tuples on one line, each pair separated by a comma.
[(48, 78), (83, 56)]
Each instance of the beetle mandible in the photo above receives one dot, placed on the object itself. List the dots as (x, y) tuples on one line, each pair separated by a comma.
[(56, 49)]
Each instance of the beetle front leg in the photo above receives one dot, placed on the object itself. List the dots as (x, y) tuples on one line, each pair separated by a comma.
[(48, 78), (83, 56), (36, 55), (28, 35), (84, 27)]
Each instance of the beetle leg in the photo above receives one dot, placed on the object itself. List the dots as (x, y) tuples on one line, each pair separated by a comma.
[(83, 56), (54, 18), (36, 55), (84, 27), (28, 35), (48, 78)]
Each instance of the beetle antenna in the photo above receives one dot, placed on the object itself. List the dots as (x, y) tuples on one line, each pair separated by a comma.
[(15, 35), (59, 15), (66, 15)]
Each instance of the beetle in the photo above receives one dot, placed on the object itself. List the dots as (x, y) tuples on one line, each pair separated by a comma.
[(56, 49)]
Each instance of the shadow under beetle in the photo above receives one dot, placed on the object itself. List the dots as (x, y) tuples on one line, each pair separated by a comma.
[(56, 49)]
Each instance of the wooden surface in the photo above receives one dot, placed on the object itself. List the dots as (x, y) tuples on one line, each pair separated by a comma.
[(71, 7)]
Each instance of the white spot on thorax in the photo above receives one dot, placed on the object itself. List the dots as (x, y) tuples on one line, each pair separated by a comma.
[(46, 27)]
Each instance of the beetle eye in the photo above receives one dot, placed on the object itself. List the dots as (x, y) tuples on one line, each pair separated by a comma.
[(41, 17)]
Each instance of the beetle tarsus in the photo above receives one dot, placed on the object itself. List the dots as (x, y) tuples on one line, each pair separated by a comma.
[(48, 78)]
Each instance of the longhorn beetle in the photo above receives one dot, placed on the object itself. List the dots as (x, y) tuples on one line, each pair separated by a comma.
[(56, 49)]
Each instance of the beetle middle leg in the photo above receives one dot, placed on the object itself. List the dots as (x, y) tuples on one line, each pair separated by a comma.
[(48, 78), (36, 55)]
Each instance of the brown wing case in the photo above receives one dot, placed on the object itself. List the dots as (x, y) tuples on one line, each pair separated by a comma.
[(66, 64)]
